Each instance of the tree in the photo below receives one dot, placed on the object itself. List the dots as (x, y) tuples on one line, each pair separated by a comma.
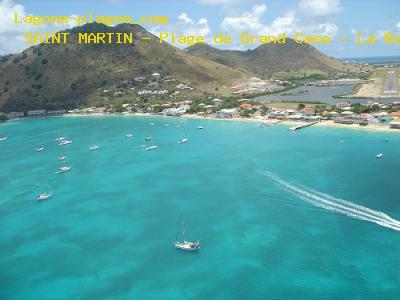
[(301, 106), (118, 107)]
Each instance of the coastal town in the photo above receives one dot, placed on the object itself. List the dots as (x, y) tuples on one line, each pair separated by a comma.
[(162, 94)]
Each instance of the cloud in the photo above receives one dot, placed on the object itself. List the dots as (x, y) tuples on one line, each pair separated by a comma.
[(219, 2), (320, 7), (185, 18), (12, 35), (186, 26), (247, 21), (288, 23)]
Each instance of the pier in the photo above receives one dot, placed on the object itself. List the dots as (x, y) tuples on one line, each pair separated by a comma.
[(298, 127)]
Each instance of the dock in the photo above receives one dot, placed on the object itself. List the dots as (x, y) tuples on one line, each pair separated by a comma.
[(298, 127)]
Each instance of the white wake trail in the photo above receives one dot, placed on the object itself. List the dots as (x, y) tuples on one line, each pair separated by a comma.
[(337, 205)]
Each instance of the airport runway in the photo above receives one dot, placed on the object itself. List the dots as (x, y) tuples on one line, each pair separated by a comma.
[(390, 86)]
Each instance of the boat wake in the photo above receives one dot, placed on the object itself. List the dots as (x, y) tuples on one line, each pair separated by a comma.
[(328, 202)]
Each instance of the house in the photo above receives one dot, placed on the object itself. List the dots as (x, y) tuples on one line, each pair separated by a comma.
[(176, 111), (227, 113), (246, 106), (36, 113), (308, 111), (395, 123), (395, 114), (14, 115), (343, 104), (55, 112), (343, 120)]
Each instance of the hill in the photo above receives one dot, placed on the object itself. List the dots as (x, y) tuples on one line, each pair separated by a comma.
[(267, 60), (67, 76)]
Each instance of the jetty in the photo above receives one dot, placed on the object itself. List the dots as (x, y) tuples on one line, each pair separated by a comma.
[(298, 127)]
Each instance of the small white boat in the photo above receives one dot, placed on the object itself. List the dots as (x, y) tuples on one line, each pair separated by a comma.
[(188, 246), (152, 147), (129, 135), (63, 169), (62, 157), (152, 124), (147, 138), (60, 138), (43, 196), (182, 141), (200, 127), (39, 149), (185, 245), (3, 138), (93, 148), (379, 155), (64, 142)]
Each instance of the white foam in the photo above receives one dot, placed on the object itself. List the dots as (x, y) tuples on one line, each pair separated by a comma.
[(337, 205)]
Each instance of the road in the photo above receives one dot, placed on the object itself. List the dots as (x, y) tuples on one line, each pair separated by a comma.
[(390, 86)]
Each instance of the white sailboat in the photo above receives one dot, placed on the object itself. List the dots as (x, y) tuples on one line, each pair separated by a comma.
[(45, 196), (64, 142), (3, 138), (93, 147), (379, 155), (39, 149), (183, 244), (152, 147), (129, 135), (147, 138), (63, 169), (184, 139)]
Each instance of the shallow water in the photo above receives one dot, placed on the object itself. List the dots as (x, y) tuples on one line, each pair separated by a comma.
[(108, 230), (323, 94)]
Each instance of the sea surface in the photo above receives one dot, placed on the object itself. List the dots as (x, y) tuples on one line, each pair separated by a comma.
[(279, 214)]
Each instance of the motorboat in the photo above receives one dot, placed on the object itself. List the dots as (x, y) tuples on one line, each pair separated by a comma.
[(129, 135), (379, 155), (147, 138), (62, 157), (39, 149), (60, 138), (3, 138), (200, 127)]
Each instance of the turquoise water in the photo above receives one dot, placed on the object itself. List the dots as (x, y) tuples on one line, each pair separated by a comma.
[(107, 232)]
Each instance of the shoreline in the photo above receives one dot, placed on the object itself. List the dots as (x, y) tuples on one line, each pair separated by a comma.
[(259, 119)]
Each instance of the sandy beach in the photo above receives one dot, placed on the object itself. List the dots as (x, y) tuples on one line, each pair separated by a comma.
[(257, 119)]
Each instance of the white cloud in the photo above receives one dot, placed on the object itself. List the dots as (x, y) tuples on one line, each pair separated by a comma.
[(247, 21), (289, 23), (219, 2), (320, 7), (185, 26), (185, 18)]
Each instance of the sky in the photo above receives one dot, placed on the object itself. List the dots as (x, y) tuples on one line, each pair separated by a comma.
[(335, 18)]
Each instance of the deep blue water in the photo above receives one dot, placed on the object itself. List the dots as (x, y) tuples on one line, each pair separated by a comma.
[(107, 232)]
